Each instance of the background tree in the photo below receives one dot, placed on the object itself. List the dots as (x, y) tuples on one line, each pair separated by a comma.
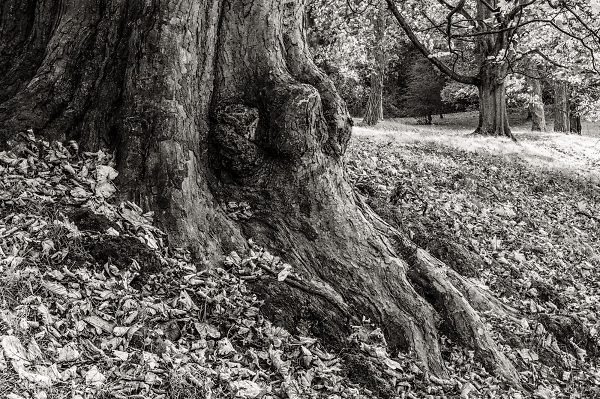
[(339, 40), (536, 103), (460, 97), (484, 35), (561, 107), (422, 94), (374, 111)]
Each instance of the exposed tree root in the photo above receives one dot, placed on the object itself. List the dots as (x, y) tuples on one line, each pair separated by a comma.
[(449, 293), (571, 332), (462, 263), (431, 276)]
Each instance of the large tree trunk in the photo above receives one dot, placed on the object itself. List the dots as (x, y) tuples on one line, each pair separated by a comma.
[(374, 111), (219, 101), (561, 107), (493, 117), (536, 105)]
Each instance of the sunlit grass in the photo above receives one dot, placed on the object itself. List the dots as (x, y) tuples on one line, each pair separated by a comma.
[(568, 153)]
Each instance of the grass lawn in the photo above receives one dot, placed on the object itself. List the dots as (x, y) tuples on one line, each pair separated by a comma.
[(558, 151)]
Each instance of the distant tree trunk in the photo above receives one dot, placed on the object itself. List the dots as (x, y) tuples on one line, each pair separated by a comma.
[(574, 119), (493, 116), (561, 107), (216, 101), (536, 105), (374, 111), (575, 124)]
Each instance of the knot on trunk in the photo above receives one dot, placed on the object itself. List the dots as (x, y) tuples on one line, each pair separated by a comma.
[(234, 134), (296, 122), (340, 129), (242, 118)]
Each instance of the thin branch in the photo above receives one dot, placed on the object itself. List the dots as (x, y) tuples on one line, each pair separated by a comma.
[(458, 7), (544, 56), (519, 9), (462, 12), (592, 32), (489, 6)]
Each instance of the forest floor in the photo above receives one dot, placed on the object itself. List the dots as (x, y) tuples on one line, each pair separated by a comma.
[(94, 304)]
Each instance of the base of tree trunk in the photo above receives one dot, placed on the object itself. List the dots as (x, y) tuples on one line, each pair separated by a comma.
[(495, 132), (424, 120), (207, 103), (493, 114)]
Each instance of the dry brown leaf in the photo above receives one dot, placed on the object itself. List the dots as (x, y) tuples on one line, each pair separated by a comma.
[(100, 323), (55, 288)]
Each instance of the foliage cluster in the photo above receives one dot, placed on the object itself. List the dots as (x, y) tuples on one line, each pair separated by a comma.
[(561, 37)]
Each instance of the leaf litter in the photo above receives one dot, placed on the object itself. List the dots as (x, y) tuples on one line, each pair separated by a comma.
[(95, 305), (536, 230), (78, 320)]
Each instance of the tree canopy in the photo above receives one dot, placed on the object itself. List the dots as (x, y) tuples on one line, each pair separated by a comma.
[(469, 40)]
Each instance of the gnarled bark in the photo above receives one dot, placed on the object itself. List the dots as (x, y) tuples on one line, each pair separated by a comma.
[(218, 101)]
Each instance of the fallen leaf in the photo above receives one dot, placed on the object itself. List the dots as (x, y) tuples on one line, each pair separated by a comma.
[(68, 353), (100, 323), (94, 377), (55, 288), (282, 275), (121, 355), (245, 389), (33, 350), (13, 348), (207, 330), (224, 347)]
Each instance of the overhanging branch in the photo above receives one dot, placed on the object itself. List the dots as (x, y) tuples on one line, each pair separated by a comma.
[(470, 80)]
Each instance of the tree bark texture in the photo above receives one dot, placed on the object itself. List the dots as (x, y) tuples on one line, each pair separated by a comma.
[(493, 117), (493, 69), (374, 111), (219, 101), (561, 107), (574, 118), (536, 105)]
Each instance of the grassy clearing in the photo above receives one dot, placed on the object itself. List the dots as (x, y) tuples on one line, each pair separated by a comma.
[(579, 155)]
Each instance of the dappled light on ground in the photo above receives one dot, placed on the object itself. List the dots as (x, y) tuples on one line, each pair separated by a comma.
[(574, 154)]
